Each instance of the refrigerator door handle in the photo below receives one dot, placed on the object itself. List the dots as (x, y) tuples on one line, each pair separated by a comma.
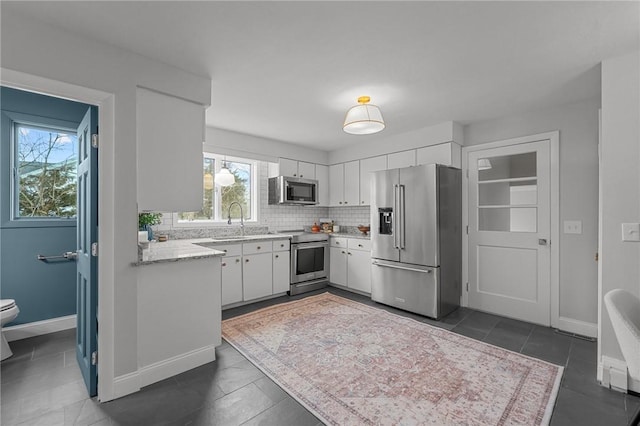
[(405, 268), (396, 213), (402, 236)]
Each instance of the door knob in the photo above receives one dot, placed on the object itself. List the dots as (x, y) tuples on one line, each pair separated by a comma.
[(542, 242)]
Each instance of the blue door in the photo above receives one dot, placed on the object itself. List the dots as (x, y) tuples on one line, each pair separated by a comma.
[(87, 262)]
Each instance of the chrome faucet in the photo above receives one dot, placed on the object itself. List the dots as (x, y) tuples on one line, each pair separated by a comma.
[(241, 217)]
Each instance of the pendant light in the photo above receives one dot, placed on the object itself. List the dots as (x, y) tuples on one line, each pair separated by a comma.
[(363, 119), (208, 181), (224, 176)]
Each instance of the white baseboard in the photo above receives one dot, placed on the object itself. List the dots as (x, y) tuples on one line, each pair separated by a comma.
[(37, 328), (179, 364), (582, 328), (125, 385), (612, 373)]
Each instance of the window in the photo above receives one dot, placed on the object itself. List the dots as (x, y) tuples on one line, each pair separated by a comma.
[(217, 199), (45, 172)]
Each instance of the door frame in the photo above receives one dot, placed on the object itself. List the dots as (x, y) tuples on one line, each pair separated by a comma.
[(106, 162), (554, 193)]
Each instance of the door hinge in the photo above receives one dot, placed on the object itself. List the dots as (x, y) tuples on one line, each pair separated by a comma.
[(467, 229), (94, 358), (467, 173), (596, 257), (467, 286), (95, 140), (94, 249)]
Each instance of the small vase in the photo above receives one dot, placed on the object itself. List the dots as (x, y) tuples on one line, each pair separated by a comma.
[(149, 230)]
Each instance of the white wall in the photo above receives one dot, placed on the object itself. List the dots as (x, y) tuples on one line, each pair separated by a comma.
[(37, 49), (226, 142), (578, 126), (374, 145), (620, 185)]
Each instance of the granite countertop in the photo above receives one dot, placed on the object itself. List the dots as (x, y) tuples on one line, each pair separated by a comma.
[(359, 235), (196, 248)]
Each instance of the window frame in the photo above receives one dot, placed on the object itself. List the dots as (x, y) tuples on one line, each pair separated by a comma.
[(219, 218), (17, 119)]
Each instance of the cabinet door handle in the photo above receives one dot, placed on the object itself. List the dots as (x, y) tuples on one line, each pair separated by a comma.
[(345, 202), (246, 260), (258, 247), (301, 176), (224, 251), (349, 253), (237, 260), (339, 202), (359, 245), (337, 243), (224, 264), (277, 256), (343, 252)]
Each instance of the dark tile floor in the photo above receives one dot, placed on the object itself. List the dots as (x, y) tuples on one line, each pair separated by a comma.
[(41, 385)]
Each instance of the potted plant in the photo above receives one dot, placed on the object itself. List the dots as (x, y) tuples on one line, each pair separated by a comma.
[(146, 220)]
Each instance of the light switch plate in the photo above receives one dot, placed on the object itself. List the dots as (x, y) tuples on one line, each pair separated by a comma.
[(573, 227), (631, 232)]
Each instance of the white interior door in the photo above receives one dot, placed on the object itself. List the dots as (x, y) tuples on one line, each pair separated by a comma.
[(509, 231)]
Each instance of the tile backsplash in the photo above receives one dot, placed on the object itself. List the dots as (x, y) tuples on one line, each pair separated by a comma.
[(273, 218)]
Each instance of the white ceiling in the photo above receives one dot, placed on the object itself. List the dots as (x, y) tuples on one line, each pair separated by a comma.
[(290, 70)]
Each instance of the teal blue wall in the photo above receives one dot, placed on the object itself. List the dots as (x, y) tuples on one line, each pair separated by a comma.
[(41, 290)]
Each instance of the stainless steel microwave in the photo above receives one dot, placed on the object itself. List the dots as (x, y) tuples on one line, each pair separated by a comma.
[(291, 190)]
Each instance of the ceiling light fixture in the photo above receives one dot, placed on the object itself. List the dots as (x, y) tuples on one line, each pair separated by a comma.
[(484, 164), (363, 119), (224, 176)]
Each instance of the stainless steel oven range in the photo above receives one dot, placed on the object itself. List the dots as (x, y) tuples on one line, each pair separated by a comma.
[(309, 261)]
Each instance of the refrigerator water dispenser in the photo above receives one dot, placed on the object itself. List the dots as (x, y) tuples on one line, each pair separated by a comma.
[(385, 219)]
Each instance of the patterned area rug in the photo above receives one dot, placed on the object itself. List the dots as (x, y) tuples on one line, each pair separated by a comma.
[(353, 364)]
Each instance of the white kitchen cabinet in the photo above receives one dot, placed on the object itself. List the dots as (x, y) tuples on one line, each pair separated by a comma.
[(338, 265), (257, 275), (231, 280), (169, 137), (358, 267), (367, 166), (295, 168), (344, 184), (401, 159), (352, 183), (448, 154), (280, 272), (350, 263), (281, 266), (322, 176), (336, 185)]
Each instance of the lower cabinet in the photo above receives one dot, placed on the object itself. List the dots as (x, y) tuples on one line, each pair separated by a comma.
[(280, 272), (257, 270), (252, 270), (350, 263), (231, 280), (338, 265)]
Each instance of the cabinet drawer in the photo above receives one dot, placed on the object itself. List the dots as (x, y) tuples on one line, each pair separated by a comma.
[(338, 242), (281, 245), (258, 247), (359, 244), (230, 249)]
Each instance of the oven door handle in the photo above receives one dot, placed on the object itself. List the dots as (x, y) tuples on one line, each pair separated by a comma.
[(304, 246)]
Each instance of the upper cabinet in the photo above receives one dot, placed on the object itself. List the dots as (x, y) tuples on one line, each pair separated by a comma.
[(445, 153), (322, 176), (344, 184), (398, 160), (170, 133), (367, 166), (295, 168)]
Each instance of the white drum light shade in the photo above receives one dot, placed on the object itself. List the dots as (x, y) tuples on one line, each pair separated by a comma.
[(224, 177), (363, 119), (484, 164)]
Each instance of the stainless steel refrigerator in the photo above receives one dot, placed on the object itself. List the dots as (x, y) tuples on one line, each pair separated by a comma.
[(416, 234)]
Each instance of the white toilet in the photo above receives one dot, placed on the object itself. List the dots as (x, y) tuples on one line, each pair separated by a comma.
[(8, 312)]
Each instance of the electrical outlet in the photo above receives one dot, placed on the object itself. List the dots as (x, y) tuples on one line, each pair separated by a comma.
[(573, 227), (631, 232)]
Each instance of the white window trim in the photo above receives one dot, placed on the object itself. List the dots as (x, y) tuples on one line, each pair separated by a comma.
[(222, 221), (42, 123)]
